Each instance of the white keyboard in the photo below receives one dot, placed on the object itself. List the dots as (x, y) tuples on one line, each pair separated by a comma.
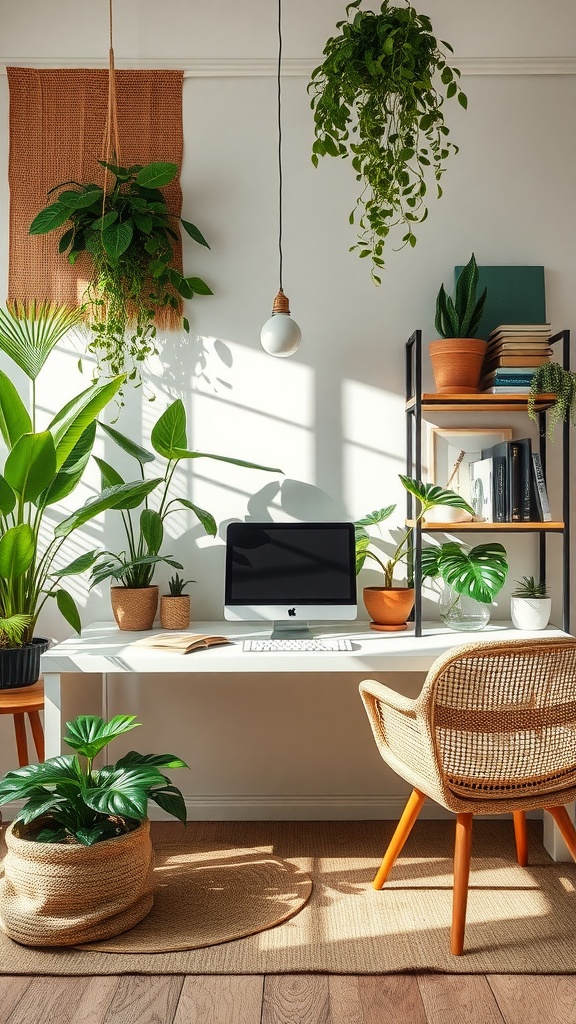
[(298, 644)]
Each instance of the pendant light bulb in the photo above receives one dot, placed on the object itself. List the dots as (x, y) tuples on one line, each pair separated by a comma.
[(280, 335)]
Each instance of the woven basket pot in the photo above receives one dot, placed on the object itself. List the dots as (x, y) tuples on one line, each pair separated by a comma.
[(56, 894), (388, 607), (457, 364), (175, 611), (134, 608)]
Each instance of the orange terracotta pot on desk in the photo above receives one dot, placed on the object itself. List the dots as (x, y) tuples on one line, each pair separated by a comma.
[(388, 607)]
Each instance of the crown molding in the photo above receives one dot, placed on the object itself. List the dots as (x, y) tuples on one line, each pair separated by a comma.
[(295, 67)]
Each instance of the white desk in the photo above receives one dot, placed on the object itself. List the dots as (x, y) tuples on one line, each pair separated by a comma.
[(104, 650)]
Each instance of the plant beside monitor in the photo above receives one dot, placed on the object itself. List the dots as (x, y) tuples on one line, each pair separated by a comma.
[(175, 606), (41, 468), (471, 578), (128, 232), (389, 605), (135, 597), (378, 98), (458, 357), (79, 862), (530, 605)]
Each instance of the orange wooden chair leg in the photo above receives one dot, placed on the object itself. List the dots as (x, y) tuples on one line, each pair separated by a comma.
[(567, 830), (37, 733), (462, 850), (521, 837), (21, 744), (403, 829)]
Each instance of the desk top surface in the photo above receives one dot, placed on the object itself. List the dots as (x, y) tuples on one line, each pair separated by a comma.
[(103, 648)]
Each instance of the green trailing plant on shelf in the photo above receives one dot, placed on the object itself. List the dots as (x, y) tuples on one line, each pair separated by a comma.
[(144, 526), (551, 378), (460, 317), (41, 468), (128, 232), (477, 572), (529, 587), (428, 496), (176, 585), (378, 99), (72, 801)]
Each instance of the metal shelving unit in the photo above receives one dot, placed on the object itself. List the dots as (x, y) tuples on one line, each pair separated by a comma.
[(418, 403)]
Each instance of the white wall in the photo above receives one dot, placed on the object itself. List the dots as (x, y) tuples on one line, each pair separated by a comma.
[(331, 417)]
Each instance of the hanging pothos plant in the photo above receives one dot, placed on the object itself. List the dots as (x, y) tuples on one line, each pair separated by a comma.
[(378, 98), (129, 234)]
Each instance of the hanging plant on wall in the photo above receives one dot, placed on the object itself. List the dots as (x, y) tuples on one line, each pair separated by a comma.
[(377, 98), (129, 234)]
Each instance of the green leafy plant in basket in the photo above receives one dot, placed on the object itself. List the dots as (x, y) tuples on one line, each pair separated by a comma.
[(378, 98), (71, 800), (128, 232)]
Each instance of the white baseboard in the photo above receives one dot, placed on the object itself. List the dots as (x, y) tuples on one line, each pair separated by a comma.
[(289, 808)]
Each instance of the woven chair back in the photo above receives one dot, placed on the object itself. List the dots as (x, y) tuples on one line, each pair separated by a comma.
[(503, 718)]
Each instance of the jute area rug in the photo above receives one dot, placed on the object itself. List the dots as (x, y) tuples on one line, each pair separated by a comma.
[(520, 920)]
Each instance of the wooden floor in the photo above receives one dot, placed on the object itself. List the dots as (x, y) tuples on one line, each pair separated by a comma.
[(288, 999)]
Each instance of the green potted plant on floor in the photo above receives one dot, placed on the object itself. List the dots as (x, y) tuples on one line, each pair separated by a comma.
[(458, 356), (40, 469), (83, 831), (135, 597), (530, 604), (128, 232), (390, 605), (378, 98), (471, 578)]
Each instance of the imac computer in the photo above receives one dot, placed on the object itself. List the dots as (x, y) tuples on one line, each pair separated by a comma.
[(290, 574)]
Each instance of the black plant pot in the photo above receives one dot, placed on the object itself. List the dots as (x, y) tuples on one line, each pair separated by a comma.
[(20, 666)]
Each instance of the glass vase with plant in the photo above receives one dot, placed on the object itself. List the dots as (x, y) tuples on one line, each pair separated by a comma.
[(378, 98), (471, 577), (128, 231)]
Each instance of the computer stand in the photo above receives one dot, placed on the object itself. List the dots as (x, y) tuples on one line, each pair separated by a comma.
[(283, 629)]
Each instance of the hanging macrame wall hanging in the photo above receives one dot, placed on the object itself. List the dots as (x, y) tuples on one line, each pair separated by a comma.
[(57, 133)]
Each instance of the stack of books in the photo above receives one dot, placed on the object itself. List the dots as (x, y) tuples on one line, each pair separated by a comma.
[(507, 484), (513, 352)]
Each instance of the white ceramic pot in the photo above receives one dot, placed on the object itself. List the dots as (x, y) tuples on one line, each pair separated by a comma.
[(530, 612), (446, 514)]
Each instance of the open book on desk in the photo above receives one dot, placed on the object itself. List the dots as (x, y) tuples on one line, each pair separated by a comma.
[(181, 643)]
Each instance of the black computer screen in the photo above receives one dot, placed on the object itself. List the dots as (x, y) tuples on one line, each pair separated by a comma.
[(290, 563)]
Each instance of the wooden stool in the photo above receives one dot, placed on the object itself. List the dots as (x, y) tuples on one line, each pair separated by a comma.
[(20, 701)]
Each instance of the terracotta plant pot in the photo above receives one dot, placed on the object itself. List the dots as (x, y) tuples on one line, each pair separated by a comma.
[(134, 608), (388, 607), (175, 611), (457, 364), (58, 894)]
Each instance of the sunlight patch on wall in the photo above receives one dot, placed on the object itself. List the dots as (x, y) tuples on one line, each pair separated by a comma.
[(373, 454)]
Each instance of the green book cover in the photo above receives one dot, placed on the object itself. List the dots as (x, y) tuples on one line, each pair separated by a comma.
[(516, 295)]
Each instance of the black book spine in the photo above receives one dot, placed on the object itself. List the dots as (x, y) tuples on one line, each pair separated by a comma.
[(526, 495), (514, 485)]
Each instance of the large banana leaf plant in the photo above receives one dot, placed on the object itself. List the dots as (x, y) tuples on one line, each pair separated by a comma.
[(40, 469), (479, 572), (144, 526), (76, 801), (428, 496)]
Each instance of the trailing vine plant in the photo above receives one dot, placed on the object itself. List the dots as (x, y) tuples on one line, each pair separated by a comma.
[(129, 234), (378, 98), (551, 378)]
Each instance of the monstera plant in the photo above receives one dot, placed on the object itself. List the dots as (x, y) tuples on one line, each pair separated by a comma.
[(128, 232)]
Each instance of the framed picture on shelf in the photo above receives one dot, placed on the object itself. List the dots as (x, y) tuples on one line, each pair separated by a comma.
[(452, 449)]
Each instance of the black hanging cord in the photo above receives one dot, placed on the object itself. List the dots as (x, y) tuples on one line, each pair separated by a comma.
[(280, 254)]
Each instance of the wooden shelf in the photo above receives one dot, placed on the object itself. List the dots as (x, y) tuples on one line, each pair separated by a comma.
[(479, 400), (484, 527)]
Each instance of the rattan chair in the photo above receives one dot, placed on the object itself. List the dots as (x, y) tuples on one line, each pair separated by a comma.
[(493, 731)]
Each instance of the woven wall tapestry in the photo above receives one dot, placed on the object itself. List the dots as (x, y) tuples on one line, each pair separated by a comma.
[(57, 132)]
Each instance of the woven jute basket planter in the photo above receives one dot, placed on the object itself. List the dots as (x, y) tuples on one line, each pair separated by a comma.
[(56, 894), (175, 611), (457, 364), (134, 608), (388, 607)]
